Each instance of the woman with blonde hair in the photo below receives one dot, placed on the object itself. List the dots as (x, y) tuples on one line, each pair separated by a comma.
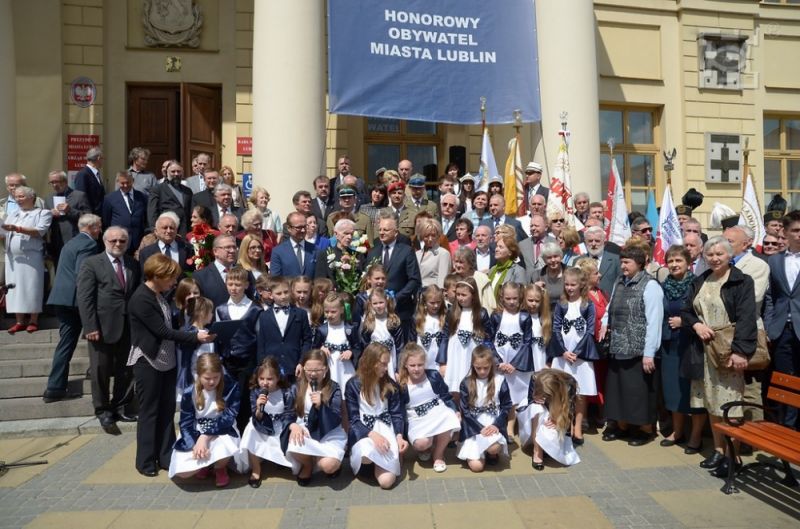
[(434, 261), (259, 200), (228, 176), (251, 255)]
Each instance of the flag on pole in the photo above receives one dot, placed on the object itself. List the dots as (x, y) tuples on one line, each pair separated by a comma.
[(619, 229), (669, 229), (488, 166), (561, 185), (751, 213), (651, 212), (514, 178)]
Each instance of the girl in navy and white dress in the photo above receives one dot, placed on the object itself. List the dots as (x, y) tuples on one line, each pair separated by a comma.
[(431, 413), (301, 294), (512, 344), (272, 411), (207, 424), (382, 325), (537, 303), (200, 312), (338, 340), (485, 401), (431, 324), (572, 348), (377, 417), (316, 439), (468, 326), (320, 289), (375, 277), (546, 418)]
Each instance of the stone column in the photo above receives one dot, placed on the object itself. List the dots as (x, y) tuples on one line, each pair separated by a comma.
[(8, 98), (288, 98), (568, 82)]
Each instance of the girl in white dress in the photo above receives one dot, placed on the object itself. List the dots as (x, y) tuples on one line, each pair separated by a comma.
[(272, 409), (546, 418), (338, 340), (375, 277), (301, 294), (431, 413), (207, 424), (468, 326), (572, 348), (537, 303), (316, 439), (512, 343), (377, 417), (382, 325), (484, 405), (430, 324)]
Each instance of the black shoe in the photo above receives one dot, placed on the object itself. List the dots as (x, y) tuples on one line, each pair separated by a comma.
[(108, 423), (254, 482), (672, 442), (640, 439), (691, 450), (722, 470), (303, 482), (451, 444), (58, 396), (334, 475), (537, 465), (150, 473), (577, 441), (712, 461), (124, 417), (612, 434), (492, 460)]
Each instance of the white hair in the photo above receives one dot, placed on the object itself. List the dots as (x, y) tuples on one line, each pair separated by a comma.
[(171, 215)]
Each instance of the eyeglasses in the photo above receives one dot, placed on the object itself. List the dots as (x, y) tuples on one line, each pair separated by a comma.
[(771, 243), (446, 205), (118, 241), (54, 182), (314, 371), (299, 228), (227, 248), (643, 230), (557, 220)]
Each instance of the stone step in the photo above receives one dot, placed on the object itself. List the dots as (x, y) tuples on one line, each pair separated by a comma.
[(34, 408), (41, 336), (12, 388), (38, 351), (37, 367)]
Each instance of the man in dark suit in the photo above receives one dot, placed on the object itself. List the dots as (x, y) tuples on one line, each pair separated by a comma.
[(450, 204), (171, 196), (205, 198), (294, 256), (337, 181), (497, 208), (608, 262), (402, 269), (782, 308), (531, 248), (166, 231), (533, 178), (211, 279), (90, 181), (320, 205), (105, 284), (65, 216), (484, 248), (223, 204), (64, 300), (126, 207)]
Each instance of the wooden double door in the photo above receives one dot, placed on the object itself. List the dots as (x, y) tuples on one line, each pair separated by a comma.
[(175, 121)]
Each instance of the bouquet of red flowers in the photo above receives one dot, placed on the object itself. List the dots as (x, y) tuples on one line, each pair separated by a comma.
[(202, 240)]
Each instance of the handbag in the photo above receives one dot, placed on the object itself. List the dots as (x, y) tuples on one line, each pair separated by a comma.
[(719, 349)]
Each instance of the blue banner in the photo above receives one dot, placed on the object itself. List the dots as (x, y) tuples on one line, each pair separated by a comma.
[(432, 60)]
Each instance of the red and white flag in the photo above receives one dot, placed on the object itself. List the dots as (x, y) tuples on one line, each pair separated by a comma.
[(750, 215), (560, 198), (618, 230), (669, 229)]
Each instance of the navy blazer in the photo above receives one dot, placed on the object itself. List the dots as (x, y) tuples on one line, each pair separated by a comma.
[(213, 287), (265, 337), (328, 416), (585, 349), (439, 388), (523, 359), (469, 419), (115, 213), (222, 313), (64, 287), (352, 397), (398, 337), (223, 424), (353, 338), (781, 299), (268, 425), (86, 181), (509, 221), (284, 260), (402, 277), (441, 358)]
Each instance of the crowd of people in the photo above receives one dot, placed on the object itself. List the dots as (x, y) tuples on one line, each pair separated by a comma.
[(378, 317)]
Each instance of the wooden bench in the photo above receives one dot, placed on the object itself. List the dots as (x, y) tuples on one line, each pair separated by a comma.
[(765, 435)]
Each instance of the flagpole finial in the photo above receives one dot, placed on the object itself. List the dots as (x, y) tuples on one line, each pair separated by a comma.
[(517, 113), (483, 111), (563, 116), (669, 166), (611, 142)]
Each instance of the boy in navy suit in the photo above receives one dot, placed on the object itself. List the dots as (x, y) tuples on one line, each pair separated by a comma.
[(283, 331), (237, 307)]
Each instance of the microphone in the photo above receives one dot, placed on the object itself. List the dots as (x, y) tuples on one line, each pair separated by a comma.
[(262, 392), (5, 288), (313, 383)]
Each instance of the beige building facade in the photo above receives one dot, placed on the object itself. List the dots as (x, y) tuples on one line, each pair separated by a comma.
[(700, 76)]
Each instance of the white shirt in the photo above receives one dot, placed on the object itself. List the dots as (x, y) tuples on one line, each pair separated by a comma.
[(446, 223), (220, 212), (96, 172), (792, 265), (238, 310), (283, 319), (173, 250), (301, 245), (483, 259), (221, 269), (391, 250)]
